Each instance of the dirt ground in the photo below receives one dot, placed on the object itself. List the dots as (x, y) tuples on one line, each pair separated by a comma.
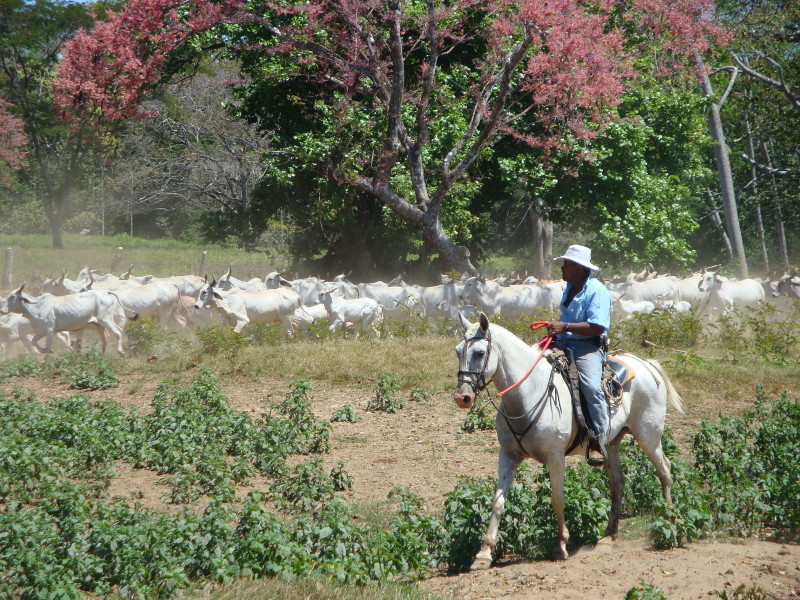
[(422, 447)]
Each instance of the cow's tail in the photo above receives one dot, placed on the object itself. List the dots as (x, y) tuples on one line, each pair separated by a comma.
[(134, 315)]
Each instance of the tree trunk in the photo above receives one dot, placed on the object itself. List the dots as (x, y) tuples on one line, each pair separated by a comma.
[(58, 208), (778, 214), (754, 183), (454, 255), (724, 170), (717, 222), (542, 234)]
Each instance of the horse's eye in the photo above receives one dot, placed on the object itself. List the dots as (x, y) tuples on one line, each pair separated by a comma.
[(479, 353)]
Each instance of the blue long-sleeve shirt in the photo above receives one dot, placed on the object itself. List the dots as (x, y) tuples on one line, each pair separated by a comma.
[(591, 304)]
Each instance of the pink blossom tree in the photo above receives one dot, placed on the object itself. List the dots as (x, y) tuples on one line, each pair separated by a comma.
[(12, 142), (545, 72)]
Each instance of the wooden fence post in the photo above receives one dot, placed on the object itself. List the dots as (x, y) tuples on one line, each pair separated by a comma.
[(8, 267), (203, 257), (116, 261)]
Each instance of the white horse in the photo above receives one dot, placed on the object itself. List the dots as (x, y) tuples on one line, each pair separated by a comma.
[(535, 423)]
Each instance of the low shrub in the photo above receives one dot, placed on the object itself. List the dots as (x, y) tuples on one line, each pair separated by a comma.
[(386, 399)]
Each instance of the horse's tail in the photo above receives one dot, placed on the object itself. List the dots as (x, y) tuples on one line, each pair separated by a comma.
[(672, 395)]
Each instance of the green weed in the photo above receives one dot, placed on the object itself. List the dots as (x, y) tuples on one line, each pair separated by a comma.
[(386, 399)]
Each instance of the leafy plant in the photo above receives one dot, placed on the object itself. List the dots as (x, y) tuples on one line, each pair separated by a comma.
[(91, 370), (345, 413), (743, 593), (645, 591), (419, 394), (26, 367), (478, 420), (143, 336), (221, 341), (386, 399), (341, 478)]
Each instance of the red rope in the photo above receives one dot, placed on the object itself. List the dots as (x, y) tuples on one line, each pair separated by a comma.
[(544, 343)]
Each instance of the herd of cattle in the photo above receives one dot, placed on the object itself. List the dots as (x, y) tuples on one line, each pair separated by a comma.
[(64, 309)]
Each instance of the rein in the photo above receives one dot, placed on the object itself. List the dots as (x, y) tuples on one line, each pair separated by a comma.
[(546, 341)]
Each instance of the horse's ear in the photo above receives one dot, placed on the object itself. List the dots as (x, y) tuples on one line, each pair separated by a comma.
[(484, 320), (465, 324)]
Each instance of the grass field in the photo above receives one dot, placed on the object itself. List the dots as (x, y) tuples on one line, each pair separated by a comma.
[(35, 256)]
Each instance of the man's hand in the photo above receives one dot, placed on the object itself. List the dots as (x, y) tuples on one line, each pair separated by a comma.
[(555, 328)]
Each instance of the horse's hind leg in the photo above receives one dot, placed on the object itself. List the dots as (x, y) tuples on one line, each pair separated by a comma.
[(506, 468), (616, 485), (662, 466)]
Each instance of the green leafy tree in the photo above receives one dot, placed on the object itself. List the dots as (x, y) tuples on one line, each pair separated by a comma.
[(32, 37), (409, 97)]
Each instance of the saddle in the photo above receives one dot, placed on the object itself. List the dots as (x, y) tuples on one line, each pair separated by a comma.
[(616, 375)]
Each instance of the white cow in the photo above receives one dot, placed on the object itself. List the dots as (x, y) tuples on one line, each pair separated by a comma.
[(788, 285), (626, 309), (650, 289), (309, 289), (679, 306), (346, 287), (242, 307), (17, 328), (155, 299), (305, 316), (50, 314), (191, 318), (275, 280), (128, 276), (724, 296), (389, 296), (362, 312), (400, 311), (440, 301), (494, 299), (189, 285), (227, 282)]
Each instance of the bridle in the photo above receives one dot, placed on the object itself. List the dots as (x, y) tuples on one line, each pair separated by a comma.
[(475, 379)]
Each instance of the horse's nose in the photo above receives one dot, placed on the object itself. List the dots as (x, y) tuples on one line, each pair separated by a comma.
[(464, 397)]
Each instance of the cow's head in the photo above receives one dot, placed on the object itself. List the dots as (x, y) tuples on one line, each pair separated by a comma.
[(16, 300), (208, 295)]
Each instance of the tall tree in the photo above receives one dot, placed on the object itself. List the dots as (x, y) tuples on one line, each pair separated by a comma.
[(32, 35), (545, 73)]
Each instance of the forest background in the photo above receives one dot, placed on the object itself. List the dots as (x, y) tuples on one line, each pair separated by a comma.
[(269, 129)]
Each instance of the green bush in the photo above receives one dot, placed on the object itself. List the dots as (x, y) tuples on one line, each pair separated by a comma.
[(477, 419), (143, 336), (91, 370), (345, 413), (386, 399), (645, 591), (664, 327)]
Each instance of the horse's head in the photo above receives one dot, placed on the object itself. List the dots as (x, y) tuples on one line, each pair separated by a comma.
[(476, 362)]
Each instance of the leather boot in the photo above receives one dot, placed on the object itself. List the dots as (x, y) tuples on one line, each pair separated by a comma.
[(597, 452)]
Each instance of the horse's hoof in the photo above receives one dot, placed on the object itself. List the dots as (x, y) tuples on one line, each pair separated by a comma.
[(480, 564), (560, 553)]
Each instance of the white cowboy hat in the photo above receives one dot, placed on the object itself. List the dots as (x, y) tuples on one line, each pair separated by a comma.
[(581, 255)]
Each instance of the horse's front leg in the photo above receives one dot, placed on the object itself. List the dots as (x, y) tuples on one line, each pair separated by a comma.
[(556, 467), (616, 485), (506, 468)]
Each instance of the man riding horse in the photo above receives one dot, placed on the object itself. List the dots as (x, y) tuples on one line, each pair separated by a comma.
[(582, 331)]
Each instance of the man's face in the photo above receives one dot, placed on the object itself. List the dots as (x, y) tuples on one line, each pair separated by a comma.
[(571, 272)]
